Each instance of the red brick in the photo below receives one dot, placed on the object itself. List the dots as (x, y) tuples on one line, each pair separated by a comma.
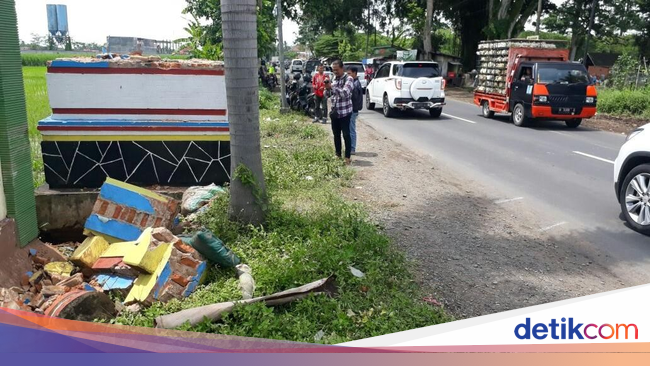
[(103, 208), (118, 210), (185, 248), (125, 214), (189, 262), (172, 290), (183, 281), (131, 216), (158, 222), (143, 222)]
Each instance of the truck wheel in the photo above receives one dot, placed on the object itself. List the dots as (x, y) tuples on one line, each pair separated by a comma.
[(573, 123), (435, 112), (485, 109), (369, 104), (519, 115), (388, 110)]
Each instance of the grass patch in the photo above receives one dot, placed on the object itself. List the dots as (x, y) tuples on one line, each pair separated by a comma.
[(625, 103), (311, 232), (38, 107), (41, 59)]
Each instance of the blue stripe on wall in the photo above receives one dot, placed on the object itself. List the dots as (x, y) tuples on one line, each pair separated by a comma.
[(49, 121), (114, 228), (124, 197), (86, 65)]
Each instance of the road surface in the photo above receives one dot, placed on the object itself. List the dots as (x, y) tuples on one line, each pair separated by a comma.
[(562, 176)]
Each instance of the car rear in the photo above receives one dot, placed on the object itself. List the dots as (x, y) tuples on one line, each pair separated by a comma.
[(419, 85)]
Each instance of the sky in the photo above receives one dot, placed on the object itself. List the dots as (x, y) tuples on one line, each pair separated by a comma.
[(92, 20)]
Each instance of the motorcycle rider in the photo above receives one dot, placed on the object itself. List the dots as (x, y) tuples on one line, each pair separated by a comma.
[(318, 83)]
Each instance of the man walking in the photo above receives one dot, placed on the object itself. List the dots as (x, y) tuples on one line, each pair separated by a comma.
[(341, 91), (318, 83), (357, 105)]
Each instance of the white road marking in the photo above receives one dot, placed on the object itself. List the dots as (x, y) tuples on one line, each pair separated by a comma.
[(498, 202), (584, 139), (458, 118), (552, 226), (593, 157)]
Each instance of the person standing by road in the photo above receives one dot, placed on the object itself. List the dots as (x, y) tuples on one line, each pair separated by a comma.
[(318, 83), (341, 109), (357, 105)]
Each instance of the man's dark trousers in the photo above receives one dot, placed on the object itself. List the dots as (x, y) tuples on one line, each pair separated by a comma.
[(342, 125)]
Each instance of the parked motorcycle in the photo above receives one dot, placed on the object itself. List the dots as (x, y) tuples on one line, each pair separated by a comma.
[(271, 82)]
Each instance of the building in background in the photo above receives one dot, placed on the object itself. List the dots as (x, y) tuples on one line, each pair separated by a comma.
[(599, 64), (126, 45)]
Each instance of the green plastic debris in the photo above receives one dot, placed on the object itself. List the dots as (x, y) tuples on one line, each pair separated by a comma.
[(212, 248)]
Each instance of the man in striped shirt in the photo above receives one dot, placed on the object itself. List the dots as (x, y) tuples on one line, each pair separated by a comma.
[(341, 101)]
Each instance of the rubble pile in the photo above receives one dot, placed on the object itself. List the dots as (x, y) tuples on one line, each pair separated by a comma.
[(152, 62), (130, 250), (493, 58)]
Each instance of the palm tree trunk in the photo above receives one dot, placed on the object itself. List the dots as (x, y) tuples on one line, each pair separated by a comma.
[(248, 190), (427, 30)]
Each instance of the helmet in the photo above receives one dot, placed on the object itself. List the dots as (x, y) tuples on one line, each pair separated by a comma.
[(296, 76)]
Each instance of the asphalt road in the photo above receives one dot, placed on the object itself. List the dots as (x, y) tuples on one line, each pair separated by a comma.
[(564, 177)]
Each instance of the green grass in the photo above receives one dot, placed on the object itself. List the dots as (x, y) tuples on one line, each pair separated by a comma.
[(41, 59), (38, 107), (625, 103), (311, 232)]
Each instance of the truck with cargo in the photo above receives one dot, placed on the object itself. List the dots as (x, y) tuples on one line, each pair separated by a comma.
[(533, 79)]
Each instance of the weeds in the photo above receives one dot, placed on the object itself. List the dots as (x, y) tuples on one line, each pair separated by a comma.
[(628, 103)]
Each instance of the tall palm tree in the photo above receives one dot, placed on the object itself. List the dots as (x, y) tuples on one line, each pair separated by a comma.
[(248, 189)]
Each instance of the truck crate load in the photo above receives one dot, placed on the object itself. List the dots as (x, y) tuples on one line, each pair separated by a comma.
[(533, 79)]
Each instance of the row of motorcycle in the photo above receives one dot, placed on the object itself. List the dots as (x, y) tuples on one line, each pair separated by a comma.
[(299, 94)]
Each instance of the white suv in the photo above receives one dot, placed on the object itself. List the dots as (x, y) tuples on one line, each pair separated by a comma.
[(296, 65), (407, 85), (632, 179)]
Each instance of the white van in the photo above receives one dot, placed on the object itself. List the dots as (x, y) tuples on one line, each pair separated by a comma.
[(296, 65)]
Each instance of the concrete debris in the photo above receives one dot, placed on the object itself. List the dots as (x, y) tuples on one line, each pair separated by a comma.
[(60, 268), (123, 211), (72, 281)]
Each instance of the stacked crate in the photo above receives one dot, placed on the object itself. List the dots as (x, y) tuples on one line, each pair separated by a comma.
[(493, 58)]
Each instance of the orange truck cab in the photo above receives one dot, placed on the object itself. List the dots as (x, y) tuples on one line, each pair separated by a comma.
[(541, 84)]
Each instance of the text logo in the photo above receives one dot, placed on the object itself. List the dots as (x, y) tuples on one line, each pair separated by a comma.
[(574, 330)]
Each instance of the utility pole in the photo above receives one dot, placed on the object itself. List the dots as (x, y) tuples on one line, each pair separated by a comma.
[(539, 16), (283, 87), (591, 24), (368, 29)]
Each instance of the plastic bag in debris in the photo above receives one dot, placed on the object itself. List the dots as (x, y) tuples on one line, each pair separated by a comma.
[(246, 281), (198, 196), (212, 248)]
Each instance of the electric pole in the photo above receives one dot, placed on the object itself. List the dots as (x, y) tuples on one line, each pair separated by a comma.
[(283, 91), (591, 24), (539, 16)]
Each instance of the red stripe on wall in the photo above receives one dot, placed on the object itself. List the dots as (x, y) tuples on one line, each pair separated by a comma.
[(175, 112), (115, 70), (118, 128)]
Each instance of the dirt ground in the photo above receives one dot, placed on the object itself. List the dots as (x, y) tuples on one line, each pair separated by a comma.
[(599, 121), (471, 254)]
